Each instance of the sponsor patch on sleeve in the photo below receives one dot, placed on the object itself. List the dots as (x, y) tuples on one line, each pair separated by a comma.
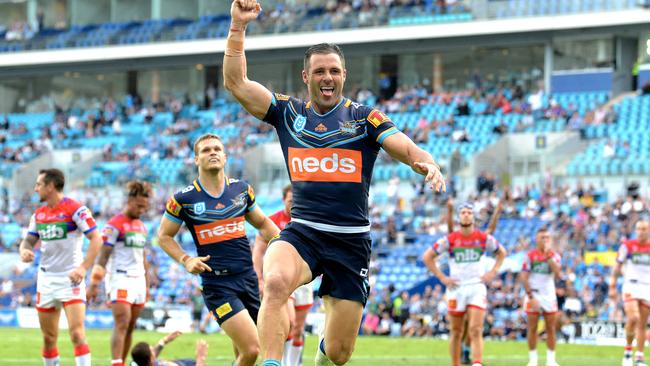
[(377, 117), (281, 96), (173, 207)]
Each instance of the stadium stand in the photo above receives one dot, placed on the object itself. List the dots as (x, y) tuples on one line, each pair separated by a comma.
[(404, 295), (302, 18)]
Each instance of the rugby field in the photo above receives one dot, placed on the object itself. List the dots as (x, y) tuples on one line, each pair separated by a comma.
[(21, 347)]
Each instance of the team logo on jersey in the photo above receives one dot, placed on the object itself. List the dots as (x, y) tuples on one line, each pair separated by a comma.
[(199, 208), (240, 200), (325, 165), (348, 127), (40, 216), (320, 128), (219, 206), (299, 123)]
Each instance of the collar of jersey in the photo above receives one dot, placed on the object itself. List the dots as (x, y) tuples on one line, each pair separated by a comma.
[(225, 184), (331, 110)]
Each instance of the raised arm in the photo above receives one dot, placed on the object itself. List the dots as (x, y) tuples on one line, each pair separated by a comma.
[(402, 148), (450, 215), (254, 97), (494, 220)]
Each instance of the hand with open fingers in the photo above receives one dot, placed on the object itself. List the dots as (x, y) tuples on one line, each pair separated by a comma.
[(77, 275), (26, 255), (196, 265), (244, 11), (433, 176)]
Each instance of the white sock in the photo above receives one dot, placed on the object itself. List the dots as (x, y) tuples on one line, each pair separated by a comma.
[(638, 355), (82, 355), (550, 355), (285, 354), (532, 355), (295, 352), (54, 361), (118, 362), (321, 358)]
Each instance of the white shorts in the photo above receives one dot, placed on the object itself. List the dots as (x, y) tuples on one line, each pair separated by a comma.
[(466, 296), (303, 297), (125, 289), (547, 303), (635, 291), (52, 291)]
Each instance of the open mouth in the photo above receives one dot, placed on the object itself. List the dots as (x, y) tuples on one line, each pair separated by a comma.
[(327, 91)]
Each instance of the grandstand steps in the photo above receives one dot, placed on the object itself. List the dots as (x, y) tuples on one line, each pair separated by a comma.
[(524, 158)]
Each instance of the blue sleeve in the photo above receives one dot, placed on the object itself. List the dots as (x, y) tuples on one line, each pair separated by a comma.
[(378, 125), (275, 115)]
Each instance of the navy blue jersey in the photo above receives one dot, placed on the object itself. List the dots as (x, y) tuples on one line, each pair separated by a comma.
[(217, 224), (329, 158)]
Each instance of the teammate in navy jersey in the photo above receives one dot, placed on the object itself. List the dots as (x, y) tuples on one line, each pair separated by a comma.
[(330, 145), (214, 208)]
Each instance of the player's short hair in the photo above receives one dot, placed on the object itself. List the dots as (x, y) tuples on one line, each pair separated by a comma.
[(141, 354), (54, 176), (206, 136), (136, 188), (466, 205), (541, 230), (286, 190), (323, 49)]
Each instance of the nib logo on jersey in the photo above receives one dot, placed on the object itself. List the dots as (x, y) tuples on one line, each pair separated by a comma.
[(467, 255), (641, 258), (325, 165), (541, 267), (222, 230), (134, 240), (52, 231)]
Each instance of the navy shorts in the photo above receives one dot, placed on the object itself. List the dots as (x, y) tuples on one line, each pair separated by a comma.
[(342, 259), (228, 295)]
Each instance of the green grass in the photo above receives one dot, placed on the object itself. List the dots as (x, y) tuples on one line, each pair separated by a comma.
[(21, 347)]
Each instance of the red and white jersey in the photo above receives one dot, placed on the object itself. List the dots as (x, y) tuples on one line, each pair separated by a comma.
[(127, 236), (61, 230), (281, 219), (465, 254), (636, 257), (541, 277)]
